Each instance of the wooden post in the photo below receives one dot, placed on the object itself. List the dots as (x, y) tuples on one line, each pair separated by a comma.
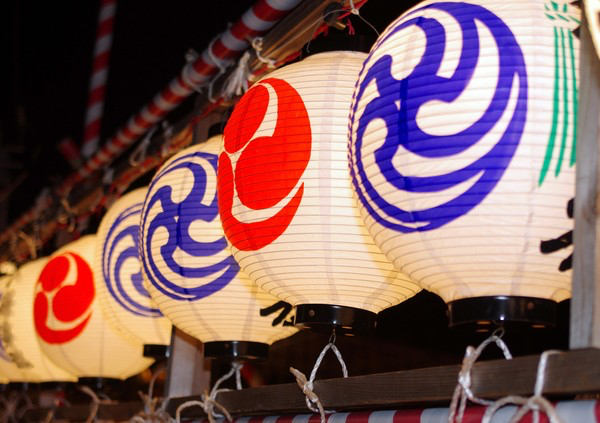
[(187, 373), (585, 305)]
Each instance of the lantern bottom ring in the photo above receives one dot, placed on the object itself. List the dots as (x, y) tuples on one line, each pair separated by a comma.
[(156, 351), (500, 310), (327, 317), (102, 385), (238, 350)]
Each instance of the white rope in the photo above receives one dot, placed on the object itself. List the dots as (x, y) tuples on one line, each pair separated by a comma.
[(95, 404), (152, 412), (31, 244), (167, 135), (209, 401), (257, 45), (71, 218), (237, 83), (535, 403), (140, 153), (463, 391), (108, 176), (307, 386)]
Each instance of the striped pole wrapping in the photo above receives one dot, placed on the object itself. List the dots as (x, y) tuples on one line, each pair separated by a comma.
[(263, 15), (257, 20), (568, 411), (95, 105)]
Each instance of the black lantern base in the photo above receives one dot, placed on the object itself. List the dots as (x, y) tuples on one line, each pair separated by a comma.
[(499, 310), (56, 386), (236, 350), (156, 351), (326, 317), (99, 384), (20, 386)]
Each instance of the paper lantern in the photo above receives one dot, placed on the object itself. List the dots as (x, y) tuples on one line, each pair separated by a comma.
[(192, 276), (8, 369), (286, 202), (462, 143), (123, 297), (70, 325), (18, 330)]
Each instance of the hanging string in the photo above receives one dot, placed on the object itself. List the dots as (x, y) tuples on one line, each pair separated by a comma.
[(140, 153), (307, 386), (30, 244), (167, 135), (535, 403), (24, 398), (353, 10), (152, 412), (209, 401), (95, 404), (10, 408), (70, 220), (257, 45), (463, 390)]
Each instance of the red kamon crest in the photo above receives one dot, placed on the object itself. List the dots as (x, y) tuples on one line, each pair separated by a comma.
[(263, 170), (63, 300)]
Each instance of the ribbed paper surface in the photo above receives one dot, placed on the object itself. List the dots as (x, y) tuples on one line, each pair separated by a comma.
[(284, 191), (118, 270), (70, 325), (462, 146), (192, 276), (18, 329)]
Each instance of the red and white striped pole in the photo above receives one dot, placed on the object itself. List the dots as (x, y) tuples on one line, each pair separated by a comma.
[(262, 16), (95, 105)]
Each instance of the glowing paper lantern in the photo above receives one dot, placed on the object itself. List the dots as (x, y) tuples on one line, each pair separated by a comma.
[(8, 369), (285, 197), (192, 276), (462, 152), (118, 270), (70, 325), (18, 330)]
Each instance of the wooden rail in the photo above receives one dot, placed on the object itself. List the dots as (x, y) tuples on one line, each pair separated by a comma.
[(568, 375)]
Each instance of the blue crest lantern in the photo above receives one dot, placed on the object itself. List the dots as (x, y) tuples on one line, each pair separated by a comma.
[(192, 276), (118, 268), (462, 153)]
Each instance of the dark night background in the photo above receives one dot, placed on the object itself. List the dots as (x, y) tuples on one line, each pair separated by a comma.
[(48, 49)]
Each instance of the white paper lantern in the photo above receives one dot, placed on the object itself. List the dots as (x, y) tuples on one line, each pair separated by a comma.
[(9, 372), (192, 276), (285, 197), (462, 151), (123, 297), (18, 330), (70, 325)]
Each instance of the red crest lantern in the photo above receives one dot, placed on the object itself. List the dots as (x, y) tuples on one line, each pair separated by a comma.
[(286, 202), (70, 325)]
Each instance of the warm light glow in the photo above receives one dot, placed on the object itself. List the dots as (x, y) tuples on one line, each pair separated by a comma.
[(192, 276), (72, 330), (17, 328), (118, 270), (462, 146), (284, 191)]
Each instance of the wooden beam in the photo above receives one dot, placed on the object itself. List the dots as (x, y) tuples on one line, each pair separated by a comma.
[(80, 412), (187, 373), (568, 374), (585, 304)]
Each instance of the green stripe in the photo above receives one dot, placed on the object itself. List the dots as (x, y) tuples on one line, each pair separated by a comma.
[(565, 125), (575, 99), (550, 147)]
